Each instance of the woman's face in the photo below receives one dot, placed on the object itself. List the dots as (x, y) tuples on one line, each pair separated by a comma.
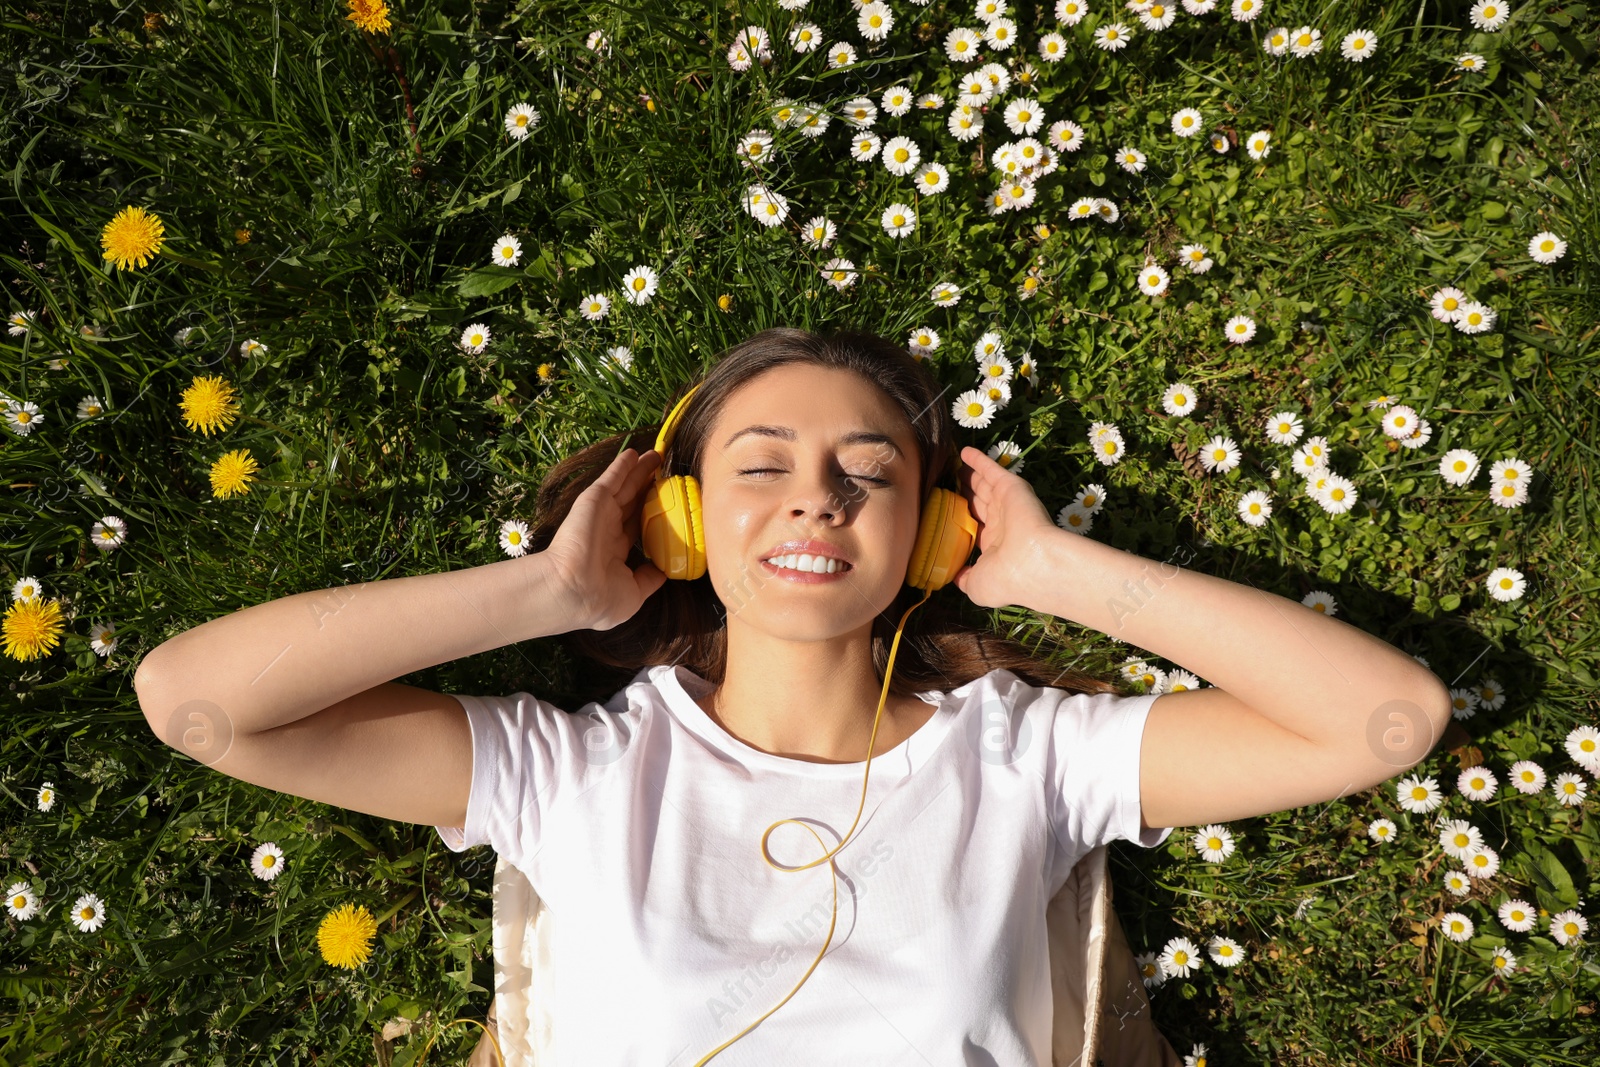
[(801, 453)]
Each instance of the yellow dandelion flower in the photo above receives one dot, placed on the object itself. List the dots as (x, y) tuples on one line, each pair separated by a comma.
[(725, 302), (231, 475), (32, 628), (208, 405), (370, 15), (546, 372), (242, 236), (131, 238), (345, 936)]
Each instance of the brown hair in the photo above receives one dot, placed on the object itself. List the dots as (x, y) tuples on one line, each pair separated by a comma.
[(685, 621)]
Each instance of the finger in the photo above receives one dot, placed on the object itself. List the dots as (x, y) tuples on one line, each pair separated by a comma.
[(640, 476), (610, 477)]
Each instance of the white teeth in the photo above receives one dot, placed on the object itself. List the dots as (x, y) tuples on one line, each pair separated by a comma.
[(806, 562)]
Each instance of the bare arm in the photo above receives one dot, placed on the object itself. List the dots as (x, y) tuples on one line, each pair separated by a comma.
[(1309, 707), (276, 663)]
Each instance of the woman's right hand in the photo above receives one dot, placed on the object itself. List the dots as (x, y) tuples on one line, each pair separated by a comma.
[(588, 556)]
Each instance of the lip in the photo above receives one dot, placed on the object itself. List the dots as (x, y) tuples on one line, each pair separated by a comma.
[(812, 548), (801, 577)]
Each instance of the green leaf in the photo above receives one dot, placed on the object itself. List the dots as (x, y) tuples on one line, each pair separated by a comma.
[(513, 191), (487, 282), (1493, 209)]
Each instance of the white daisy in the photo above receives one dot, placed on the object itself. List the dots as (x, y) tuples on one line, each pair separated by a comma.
[(860, 112), (1220, 454), (27, 588), (765, 206), (1458, 466), (1239, 329), (1517, 915), (1130, 159), (1194, 258), (1105, 210), (507, 251), (1071, 12), (901, 155), (965, 122), (1527, 777), (266, 862), (1276, 42), (1224, 952), (757, 40), (619, 356), (21, 901), (1382, 830), (1157, 16), (1337, 496), (930, 101), (806, 37), (1052, 47), (819, 232), (1470, 61), (1583, 745), (924, 341), (1305, 41), (864, 146), (1568, 926), (1023, 115), (812, 122), (976, 90), (1179, 957), (475, 338), (1199, 7), (1505, 584), (1482, 862), (22, 416), (1109, 449), (961, 45), (1152, 280), (1570, 789), (1463, 703), (1418, 795), (1477, 783), (1179, 398), (521, 120), (1458, 837), (754, 147), (595, 306), (945, 294), (88, 913), (1091, 497), (1257, 144), (1000, 34), (1312, 457), (1491, 694), (839, 273), (1284, 428), (1475, 317), (1546, 247), (1255, 507), (896, 100), (840, 55), (640, 284), (1399, 421), (1187, 122), (973, 409), (596, 42), (1489, 15), (1008, 454), (1149, 969), (1112, 37), (1358, 45), (108, 533), (18, 323), (1066, 135), (103, 638), (1457, 883), (1502, 960), (1220, 143), (1447, 303), (875, 20), (1213, 842), (987, 10), (1508, 494), (989, 346), (899, 220), (514, 537), (1246, 10), (932, 178), (91, 406), (1321, 600), (47, 796), (1456, 926), (1082, 208), (1075, 519), (999, 393)]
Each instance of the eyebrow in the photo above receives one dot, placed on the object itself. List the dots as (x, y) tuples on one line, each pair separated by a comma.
[(786, 433)]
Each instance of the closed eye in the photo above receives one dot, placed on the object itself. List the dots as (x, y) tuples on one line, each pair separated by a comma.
[(777, 470)]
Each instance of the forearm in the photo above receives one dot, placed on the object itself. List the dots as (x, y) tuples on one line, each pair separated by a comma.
[(283, 660), (1312, 674)]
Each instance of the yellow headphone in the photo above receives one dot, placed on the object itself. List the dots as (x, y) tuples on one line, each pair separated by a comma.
[(673, 536)]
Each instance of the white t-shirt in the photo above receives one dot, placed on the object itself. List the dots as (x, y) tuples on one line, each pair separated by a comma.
[(639, 823)]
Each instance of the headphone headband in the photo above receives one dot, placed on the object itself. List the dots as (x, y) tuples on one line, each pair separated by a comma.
[(669, 426)]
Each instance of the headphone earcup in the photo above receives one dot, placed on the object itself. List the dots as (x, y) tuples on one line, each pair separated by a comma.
[(944, 540), (670, 527)]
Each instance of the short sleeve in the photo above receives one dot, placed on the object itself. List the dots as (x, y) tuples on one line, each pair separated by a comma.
[(1095, 744), (519, 762)]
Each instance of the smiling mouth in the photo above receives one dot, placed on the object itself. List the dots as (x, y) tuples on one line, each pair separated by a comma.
[(805, 564)]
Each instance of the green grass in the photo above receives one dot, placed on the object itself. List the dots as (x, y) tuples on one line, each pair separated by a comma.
[(386, 450)]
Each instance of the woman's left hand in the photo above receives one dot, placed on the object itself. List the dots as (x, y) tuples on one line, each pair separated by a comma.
[(1012, 524)]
